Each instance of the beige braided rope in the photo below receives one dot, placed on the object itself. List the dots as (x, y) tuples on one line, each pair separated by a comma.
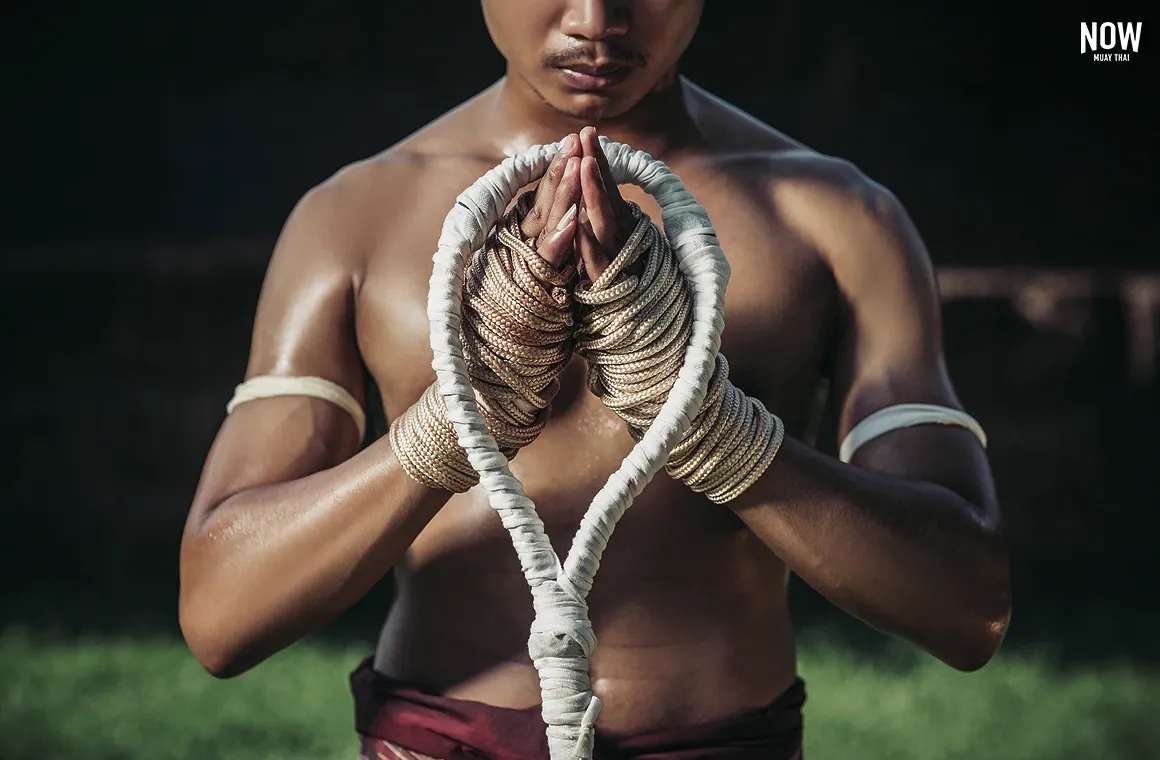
[(633, 329), (517, 338)]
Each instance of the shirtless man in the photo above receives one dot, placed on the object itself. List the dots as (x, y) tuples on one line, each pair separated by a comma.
[(296, 518)]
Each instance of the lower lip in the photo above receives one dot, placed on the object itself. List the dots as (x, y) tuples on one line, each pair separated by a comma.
[(605, 81)]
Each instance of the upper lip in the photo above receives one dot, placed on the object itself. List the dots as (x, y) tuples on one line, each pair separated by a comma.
[(596, 69)]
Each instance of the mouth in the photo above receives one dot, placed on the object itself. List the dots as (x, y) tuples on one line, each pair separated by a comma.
[(590, 77)]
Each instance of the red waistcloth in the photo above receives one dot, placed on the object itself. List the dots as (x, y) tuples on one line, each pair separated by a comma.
[(456, 729)]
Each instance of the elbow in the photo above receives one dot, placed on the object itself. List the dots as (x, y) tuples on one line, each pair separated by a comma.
[(212, 641), (986, 613), (976, 651), (980, 638), (212, 620), (218, 662)]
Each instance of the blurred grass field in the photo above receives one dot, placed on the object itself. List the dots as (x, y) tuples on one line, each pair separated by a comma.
[(123, 699)]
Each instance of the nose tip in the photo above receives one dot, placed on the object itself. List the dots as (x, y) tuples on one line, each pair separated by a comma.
[(595, 19)]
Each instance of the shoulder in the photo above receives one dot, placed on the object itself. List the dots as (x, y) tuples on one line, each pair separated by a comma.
[(848, 217), (385, 182), (826, 200), (369, 188), (358, 206), (860, 230)]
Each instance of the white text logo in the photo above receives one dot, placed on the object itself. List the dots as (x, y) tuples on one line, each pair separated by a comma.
[(1100, 39)]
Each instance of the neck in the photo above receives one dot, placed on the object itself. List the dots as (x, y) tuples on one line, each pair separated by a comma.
[(659, 123)]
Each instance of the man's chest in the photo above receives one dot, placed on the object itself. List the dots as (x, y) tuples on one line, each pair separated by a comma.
[(779, 309)]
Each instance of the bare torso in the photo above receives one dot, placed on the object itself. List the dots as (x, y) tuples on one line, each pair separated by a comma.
[(689, 607)]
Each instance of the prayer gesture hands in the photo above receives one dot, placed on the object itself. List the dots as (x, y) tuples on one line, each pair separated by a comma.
[(578, 209), (605, 219), (550, 225)]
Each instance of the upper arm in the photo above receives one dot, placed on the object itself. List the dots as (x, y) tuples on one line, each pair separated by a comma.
[(890, 345), (303, 326)]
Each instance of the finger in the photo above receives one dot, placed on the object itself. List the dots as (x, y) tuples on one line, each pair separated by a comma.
[(591, 146), (600, 217), (534, 221), (556, 246), (567, 194), (590, 251), (555, 242)]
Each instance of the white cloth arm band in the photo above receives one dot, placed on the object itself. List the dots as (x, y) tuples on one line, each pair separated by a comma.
[(271, 386), (903, 416)]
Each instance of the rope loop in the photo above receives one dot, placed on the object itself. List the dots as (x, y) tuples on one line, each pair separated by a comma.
[(561, 639)]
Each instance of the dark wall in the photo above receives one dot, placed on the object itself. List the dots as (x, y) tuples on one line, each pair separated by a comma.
[(198, 122), (154, 151)]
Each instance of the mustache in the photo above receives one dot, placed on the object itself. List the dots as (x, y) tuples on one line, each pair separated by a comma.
[(609, 52)]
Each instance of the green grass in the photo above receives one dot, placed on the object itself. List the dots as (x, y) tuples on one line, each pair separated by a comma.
[(148, 699)]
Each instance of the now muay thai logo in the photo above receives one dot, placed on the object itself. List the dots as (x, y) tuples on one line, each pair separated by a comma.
[(1110, 41)]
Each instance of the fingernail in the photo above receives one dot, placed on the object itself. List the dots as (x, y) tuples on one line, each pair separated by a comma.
[(568, 217), (569, 141)]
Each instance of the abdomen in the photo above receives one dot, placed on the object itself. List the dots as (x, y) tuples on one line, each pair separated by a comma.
[(688, 606)]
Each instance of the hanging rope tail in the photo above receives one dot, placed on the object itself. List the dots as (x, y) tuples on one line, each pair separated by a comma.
[(561, 639)]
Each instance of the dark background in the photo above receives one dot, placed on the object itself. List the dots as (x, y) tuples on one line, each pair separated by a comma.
[(152, 153)]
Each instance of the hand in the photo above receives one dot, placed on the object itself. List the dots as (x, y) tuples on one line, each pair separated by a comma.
[(551, 223), (606, 221)]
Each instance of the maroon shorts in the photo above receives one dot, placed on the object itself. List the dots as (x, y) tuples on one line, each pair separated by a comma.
[(401, 721)]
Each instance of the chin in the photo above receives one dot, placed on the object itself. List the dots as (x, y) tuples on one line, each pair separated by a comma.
[(592, 107)]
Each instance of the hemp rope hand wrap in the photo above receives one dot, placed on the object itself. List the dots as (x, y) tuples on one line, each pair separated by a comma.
[(561, 636), (517, 340), (633, 328)]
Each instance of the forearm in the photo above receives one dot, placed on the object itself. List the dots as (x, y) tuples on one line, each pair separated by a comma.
[(910, 558), (273, 563)]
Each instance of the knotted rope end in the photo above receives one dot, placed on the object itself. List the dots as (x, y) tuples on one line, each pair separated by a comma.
[(586, 741)]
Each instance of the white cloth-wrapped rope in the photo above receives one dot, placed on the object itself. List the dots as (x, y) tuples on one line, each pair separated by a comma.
[(561, 637)]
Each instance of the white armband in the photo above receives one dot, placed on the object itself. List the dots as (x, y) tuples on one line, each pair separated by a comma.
[(904, 416), (271, 386)]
